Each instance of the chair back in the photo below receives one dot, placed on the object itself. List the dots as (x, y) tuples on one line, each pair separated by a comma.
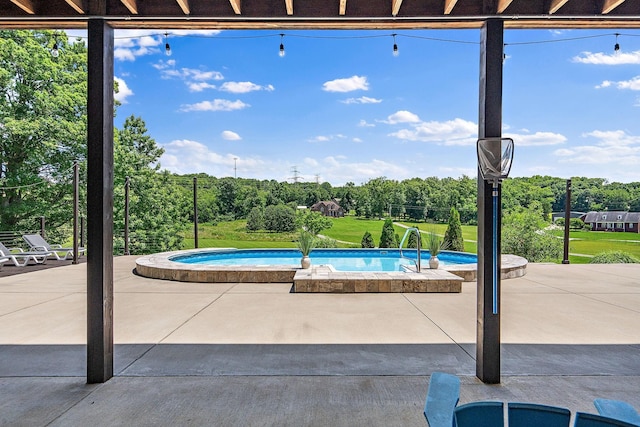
[(593, 420), (442, 398), (533, 415), (36, 240), (4, 249), (617, 409), (480, 414)]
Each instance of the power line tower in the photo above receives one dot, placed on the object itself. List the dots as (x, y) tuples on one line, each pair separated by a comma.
[(317, 178), (296, 175)]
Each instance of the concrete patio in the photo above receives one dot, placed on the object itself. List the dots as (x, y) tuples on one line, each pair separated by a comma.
[(255, 354)]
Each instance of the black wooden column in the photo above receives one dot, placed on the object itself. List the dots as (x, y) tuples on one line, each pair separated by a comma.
[(490, 125), (100, 202)]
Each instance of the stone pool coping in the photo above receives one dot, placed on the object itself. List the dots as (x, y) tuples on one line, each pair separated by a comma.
[(159, 266)]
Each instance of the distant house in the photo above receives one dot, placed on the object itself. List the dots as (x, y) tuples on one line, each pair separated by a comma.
[(328, 208), (613, 221)]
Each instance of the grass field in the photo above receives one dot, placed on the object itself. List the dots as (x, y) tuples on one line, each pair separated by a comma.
[(348, 231)]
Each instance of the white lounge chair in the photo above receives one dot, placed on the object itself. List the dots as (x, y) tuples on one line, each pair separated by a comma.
[(2, 261), (37, 243), (20, 258)]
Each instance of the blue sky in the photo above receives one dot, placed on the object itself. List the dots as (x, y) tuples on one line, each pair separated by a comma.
[(340, 107)]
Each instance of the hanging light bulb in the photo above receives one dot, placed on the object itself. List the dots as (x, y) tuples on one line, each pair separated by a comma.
[(281, 46), (395, 46), (167, 48), (616, 48), (55, 51)]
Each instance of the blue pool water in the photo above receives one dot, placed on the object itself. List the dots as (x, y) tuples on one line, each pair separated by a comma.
[(340, 259)]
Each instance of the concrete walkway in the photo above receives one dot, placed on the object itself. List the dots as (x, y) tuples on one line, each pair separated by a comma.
[(255, 354)]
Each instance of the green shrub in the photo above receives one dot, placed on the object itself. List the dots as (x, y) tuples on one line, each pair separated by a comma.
[(255, 219), (453, 236), (614, 257), (523, 235), (388, 237), (367, 241), (325, 243)]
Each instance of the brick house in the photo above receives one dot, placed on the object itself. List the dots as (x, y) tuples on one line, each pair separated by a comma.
[(328, 208), (613, 221)]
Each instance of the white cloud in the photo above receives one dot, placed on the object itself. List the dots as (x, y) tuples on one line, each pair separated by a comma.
[(320, 138), (536, 139), (215, 105), (364, 124), (451, 132), (357, 140), (633, 84), (244, 87), (187, 156), (123, 91), (230, 136), (200, 86), (402, 116), (616, 58), (196, 80), (612, 147), (362, 100), (346, 85)]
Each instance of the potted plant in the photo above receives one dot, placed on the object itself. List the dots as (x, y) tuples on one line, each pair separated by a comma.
[(306, 243), (435, 245)]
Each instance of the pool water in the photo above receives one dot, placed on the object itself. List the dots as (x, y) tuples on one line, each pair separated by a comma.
[(383, 260)]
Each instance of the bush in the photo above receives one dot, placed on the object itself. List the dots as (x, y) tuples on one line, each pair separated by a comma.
[(367, 241), (453, 236), (279, 218), (522, 235), (325, 243), (388, 238), (614, 257), (255, 219)]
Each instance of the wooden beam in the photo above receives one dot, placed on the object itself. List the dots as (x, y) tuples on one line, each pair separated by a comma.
[(184, 5), (609, 5), (131, 5), (25, 5), (343, 7), (449, 5), (76, 5), (395, 7), (289, 5), (503, 5), (235, 4), (555, 5)]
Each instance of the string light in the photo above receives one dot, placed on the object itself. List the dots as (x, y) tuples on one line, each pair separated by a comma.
[(616, 48), (281, 46), (55, 51), (395, 46), (167, 48)]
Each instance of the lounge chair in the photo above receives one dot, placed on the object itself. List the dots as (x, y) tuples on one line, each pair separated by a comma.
[(2, 261), (20, 258), (37, 243)]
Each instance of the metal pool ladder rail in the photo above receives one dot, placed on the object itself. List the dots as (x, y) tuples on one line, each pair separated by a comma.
[(407, 233)]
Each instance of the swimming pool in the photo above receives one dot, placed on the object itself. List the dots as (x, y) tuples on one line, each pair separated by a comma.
[(379, 260)]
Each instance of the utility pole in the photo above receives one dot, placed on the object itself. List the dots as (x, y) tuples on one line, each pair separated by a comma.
[(296, 175), (235, 167)]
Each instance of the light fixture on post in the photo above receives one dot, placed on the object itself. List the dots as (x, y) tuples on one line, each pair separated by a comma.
[(395, 46), (281, 46), (616, 48), (167, 48), (495, 156)]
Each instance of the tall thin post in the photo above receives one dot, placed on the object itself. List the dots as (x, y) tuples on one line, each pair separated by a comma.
[(42, 233), (82, 232), (567, 222), (126, 217), (76, 209), (489, 208), (195, 211), (99, 197)]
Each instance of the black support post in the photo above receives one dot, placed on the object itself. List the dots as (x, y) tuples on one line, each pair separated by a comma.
[(567, 222), (100, 202), (126, 216), (195, 211), (76, 209), (490, 126)]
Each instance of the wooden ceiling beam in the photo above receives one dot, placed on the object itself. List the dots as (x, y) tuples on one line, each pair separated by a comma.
[(503, 5), (449, 5), (556, 5), (609, 5), (184, 5), (343, 7), (76, 5), (289, 6), (25, 5), (131, 5), (395, 7), (235, 4)]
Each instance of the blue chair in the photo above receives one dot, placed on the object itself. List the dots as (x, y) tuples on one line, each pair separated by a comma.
[(442, 398), (593, 420), (480, 414), (617, 409), (534, 415)]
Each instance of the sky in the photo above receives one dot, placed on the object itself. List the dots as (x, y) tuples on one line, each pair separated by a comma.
[(339, 107)]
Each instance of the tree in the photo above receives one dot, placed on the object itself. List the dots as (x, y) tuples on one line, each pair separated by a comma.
[(453, 236), (412, 241), (367, 240), (255, 219), (279, 218), (43, 127), (388, 238), (523, 235), (314, 222)]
